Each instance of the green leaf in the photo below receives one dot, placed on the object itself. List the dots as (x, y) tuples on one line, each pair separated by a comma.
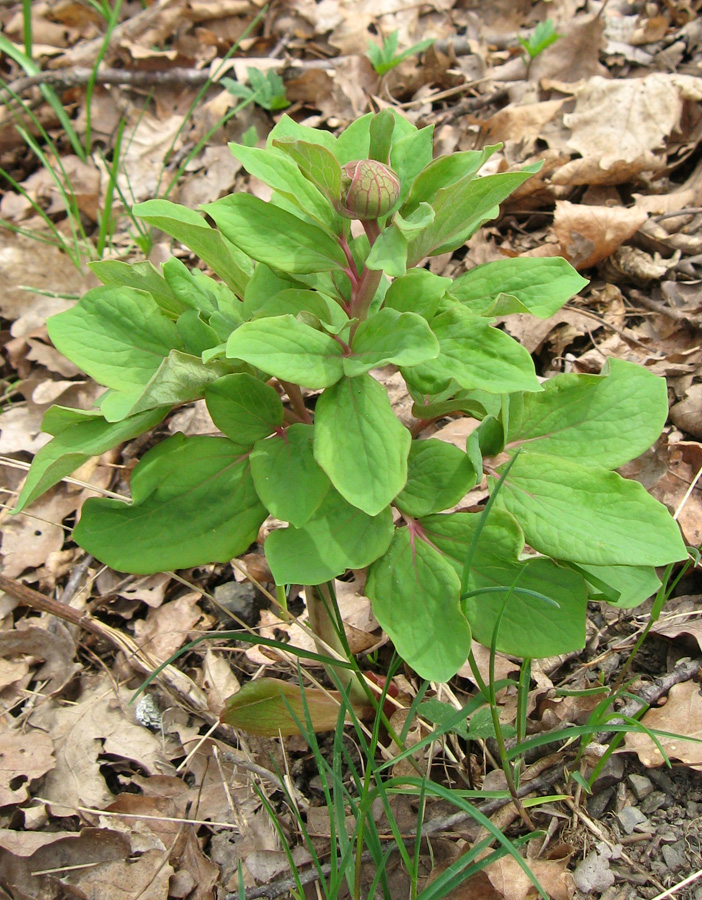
[(536, 286), (633, 584), (389, 252), (415, 593), (318, 164), (360, 443), (443, 172), (286, 348), (354, 142), (119, 336), (416, 221), (338, 537), (598, 420), (418, 291), (410, 154), (294, 301), (289, 128), (84, 435), (287, 478), (194, 503), (190, 229), (381, 128), (461, 209), (477, 355), (269, 707), (278, 171), (195, 333), (440, 475), (244, 408), (389, 336), (274, 236), (144, 277), (588, 515), (179, 379), (542, 37), (529, 626)]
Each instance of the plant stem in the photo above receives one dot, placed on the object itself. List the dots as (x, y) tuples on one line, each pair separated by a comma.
[(364, 291), (295, 395)]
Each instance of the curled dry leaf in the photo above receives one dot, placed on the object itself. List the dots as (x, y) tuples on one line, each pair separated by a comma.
[(166, 628), (588, 234), (681, 715), (56, 648)]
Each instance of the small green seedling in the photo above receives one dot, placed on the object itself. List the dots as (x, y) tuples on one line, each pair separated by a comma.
[(311, 293), (541, 37), (386, 57), (267, 89)]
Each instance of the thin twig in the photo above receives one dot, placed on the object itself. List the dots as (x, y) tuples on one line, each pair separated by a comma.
[(677, 315), (73, 583)]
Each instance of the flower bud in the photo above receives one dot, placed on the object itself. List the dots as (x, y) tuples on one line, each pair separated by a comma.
[(369, 189)]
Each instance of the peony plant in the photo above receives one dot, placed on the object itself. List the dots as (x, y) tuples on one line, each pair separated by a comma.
[(311, 292)]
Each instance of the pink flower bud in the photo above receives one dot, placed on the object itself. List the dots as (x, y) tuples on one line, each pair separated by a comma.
[(369, 189)]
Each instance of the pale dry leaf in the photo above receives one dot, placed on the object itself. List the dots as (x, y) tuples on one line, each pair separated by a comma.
[(589, 234), (143, 161), (681, 715), (56, 649), (682, 617), (627, 120), (145, 877), (48, 356), (27, 539), (575, 55), (30, 263), (20, 429), (149, 589), (510, 880), (219, 681), (166, 628), (97, 723), (23, 758)]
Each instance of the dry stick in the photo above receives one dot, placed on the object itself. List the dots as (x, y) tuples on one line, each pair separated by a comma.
[(74, 580), (276, 888), (651, 693), (677, 315)]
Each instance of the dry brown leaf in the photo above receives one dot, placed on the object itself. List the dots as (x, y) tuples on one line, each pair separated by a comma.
[(166, 628), (97, 723), (619, 124), (683, 461), (682, 714), (145, 877), (512, 883), (29, 538), (56, 648), (219, 681), (575, 55), (588, 234), (22, 853), (23, 758)]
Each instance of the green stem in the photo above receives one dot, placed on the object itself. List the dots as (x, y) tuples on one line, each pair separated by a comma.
[(363, 293)]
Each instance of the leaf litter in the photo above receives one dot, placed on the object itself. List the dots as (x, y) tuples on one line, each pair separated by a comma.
[(99, 800)]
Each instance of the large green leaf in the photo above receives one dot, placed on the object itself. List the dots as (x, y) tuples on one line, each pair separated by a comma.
[(589, 515), (194, 503), (476, 355), (444, 171), (418, 291), (179, 379), (288, 480), (279, 172), (520, 285), (632, 585), (415, 593), (410, 153), (190, 229), (143, 276), (338, 537), (83, 434), (599, 420), (316, 163), (530, 625), (289, 349), (244, 408), (288, 128), (360, 443), (274, 236), (118, 335), (440, 475), (389, 336), (462, 208)]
